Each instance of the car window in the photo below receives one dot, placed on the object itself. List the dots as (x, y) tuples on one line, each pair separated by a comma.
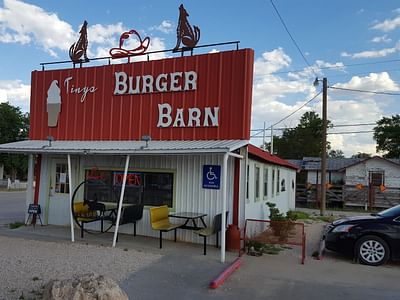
[(391, 212)]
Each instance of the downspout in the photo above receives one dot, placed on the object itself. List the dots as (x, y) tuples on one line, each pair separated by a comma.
[(223, 219)]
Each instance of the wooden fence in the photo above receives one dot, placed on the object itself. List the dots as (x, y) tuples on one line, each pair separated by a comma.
[(348, 196)]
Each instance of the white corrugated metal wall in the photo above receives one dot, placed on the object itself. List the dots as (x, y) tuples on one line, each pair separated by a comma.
[(189, 193)]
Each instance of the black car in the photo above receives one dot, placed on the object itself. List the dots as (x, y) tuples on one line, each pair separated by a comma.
[(372, 239)]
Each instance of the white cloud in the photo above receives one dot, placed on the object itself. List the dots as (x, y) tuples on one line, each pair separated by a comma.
[(166, 27), (15, 92), (26, 23), (372, 53), (381, 39), (271, 62), (372, 82), (388, 24)]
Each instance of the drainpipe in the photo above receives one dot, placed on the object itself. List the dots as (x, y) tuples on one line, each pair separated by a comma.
[(224, 189)]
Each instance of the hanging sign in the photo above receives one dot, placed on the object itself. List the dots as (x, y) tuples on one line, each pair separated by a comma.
[(211, 177)]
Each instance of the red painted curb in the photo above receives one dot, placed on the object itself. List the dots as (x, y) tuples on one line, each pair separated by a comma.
[(225, 274)]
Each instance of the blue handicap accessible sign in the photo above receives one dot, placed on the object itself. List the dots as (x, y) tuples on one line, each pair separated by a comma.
[(211, 177)]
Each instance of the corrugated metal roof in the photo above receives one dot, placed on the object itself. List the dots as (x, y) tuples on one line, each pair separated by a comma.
[(268, 157), (122, 147), (333, 164)]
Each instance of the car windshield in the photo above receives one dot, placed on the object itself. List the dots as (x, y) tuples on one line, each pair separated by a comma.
[(390, 212)]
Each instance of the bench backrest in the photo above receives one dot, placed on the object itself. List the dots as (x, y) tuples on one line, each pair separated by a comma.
[(158, 214), (82, 210)]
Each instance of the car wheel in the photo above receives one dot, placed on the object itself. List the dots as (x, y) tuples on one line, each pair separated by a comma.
[(372, 250)]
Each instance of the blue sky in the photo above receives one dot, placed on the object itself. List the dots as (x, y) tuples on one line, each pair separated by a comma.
[(355, 44)]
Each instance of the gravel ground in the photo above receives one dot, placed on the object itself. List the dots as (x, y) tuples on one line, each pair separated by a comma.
[(26, 265)]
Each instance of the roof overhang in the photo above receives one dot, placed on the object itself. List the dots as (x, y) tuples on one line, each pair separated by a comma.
[(122, 147)]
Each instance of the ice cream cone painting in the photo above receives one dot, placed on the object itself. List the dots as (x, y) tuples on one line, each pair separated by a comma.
[(53, 104)]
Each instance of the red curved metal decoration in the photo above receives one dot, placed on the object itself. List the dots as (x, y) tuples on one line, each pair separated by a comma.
[(121, 52)]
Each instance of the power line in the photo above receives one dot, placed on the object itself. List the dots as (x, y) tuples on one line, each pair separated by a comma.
[(333, 126), (364, 91), (329, 133), (351, 132), (335, 67), (293, 40), (292, 113)]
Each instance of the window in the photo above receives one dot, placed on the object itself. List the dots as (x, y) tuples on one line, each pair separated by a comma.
[(278, 181), (247, 182), (257, 182), (149, 188), (273, 182), (62, 180), (283, 185), (377, 178), (265, 182)]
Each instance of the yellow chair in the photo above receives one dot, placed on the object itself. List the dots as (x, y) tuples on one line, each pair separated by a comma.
[(160, 221), (83, 214)]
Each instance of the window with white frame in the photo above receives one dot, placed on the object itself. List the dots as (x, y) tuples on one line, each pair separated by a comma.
[(278, 180), (265, 182), (273, 182), (257, 182), (376, 178), (62, 180), (247, 182)]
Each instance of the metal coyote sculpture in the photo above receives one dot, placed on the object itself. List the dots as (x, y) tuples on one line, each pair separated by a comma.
[(78, 49), (185, 34)]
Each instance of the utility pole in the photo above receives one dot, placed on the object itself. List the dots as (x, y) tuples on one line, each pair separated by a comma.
[(323, 150)]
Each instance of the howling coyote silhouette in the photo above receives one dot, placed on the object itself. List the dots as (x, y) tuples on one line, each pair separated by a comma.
[(184, 32), (79, 48)]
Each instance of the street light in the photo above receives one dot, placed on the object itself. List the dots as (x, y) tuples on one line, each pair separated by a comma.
[(323, 150)]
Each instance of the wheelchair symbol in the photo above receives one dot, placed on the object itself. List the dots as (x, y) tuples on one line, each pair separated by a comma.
[(211, 175)]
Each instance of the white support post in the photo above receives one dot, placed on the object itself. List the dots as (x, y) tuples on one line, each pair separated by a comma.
[(121, 198), (29, 190), (223, 219), (70, 198)]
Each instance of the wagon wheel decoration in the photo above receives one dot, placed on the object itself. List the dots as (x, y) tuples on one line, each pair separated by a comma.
[(89, 214)]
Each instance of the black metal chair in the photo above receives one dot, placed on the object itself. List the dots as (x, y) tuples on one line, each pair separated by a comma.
[(214, 229), (131, 214)]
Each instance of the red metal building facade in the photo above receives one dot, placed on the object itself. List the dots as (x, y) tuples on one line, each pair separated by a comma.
[(202, 97)]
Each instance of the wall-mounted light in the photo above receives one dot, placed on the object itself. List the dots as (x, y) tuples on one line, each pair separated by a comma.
[(50, 138), (146, 138)]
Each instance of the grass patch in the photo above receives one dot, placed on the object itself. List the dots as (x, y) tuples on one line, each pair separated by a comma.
[(297, 215), (15, 225), (327, 219)]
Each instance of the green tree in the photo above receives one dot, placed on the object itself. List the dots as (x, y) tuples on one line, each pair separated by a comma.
[(361, 155), (14, 126), (303, 140), (387, 136), (336, 154)]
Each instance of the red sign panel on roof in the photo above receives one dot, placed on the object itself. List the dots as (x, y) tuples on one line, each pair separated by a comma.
[(201, 97)]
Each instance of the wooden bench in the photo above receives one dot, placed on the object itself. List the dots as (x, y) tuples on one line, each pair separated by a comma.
[(83, 214), (160, 221)]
